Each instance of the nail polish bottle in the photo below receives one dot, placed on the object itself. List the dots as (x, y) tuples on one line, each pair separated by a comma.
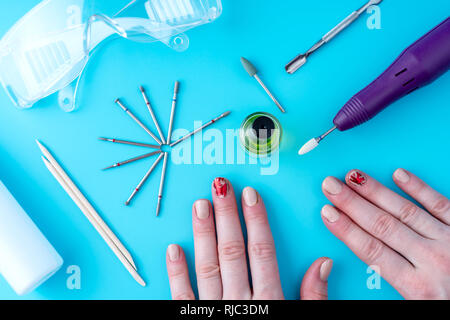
[(260, 134)]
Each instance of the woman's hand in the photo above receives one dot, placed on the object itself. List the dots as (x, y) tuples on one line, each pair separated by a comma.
[(409, 245), (220, 253)]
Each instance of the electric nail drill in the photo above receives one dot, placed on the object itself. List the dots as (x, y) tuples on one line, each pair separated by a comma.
[(419, 65)]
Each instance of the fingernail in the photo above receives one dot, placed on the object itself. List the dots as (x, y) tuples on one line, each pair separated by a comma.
[(250, 196), (357, 178), (202, 209), (221, 187), (174, 252), (401, 175), (325, 269), (332, 185), (330, 213)]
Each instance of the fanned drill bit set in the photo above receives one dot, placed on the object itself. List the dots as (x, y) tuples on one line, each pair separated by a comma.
[(161, 141)]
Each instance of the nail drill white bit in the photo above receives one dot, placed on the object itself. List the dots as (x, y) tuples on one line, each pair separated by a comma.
[(313, 143), (152, 114)]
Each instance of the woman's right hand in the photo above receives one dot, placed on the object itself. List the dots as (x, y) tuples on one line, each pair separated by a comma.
[(409, 245)]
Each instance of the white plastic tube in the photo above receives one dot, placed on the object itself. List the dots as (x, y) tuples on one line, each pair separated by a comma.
[(27, 259)]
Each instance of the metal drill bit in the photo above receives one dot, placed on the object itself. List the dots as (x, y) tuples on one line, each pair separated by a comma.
[(251, 70), (172, 113), (161, 185), (139, 144), (150, 109), (300, 60), (223, 115), (139, 122), (144, 179), (144, 156)]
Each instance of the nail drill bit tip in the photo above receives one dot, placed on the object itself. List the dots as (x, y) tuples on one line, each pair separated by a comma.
[(314, 142)]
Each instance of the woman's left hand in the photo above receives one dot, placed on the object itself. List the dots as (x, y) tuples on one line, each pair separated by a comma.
[(220, 253)]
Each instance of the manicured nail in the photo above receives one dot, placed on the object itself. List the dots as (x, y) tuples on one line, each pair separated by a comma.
[(357, 178), (174, 252), (401, 175), (332, 185), (221, 187), (325, 269), (330, 213), (202, 209), (250, 196)]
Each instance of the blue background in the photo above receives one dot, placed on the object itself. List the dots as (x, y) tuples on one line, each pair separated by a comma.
[(413, 134)]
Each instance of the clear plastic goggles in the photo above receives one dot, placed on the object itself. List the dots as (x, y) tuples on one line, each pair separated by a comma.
[(47, 50)]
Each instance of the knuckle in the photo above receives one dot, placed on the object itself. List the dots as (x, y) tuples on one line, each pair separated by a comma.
[(176, 273), (256, 217), (408, 213), (262, 251), (231, 251), (372, 250), (225, 209), (184, 296), (383, 226), (315, 294), (204, 229), (208, 271), (347, 227), (441, 206)]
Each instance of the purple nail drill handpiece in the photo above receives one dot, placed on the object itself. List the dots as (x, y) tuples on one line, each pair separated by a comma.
[(423, 62), (419, 65)]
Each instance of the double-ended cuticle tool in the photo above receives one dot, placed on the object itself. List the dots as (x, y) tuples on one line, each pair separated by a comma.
[(419, 65), (301, 59)]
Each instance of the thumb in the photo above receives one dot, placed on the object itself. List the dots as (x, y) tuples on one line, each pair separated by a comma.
[(315, 281)]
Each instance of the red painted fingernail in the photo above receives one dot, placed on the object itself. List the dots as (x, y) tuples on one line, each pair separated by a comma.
[(357, 178), (221, 187)]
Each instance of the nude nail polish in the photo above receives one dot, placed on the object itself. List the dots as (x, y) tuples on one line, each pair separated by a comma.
[(325, 269), (202, 209), (221, 187), (332, 185), (174, 252), (330, 213), (401, 175), (250, 196), (357, 178)]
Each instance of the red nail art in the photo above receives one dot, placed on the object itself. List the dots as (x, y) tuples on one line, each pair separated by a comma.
[(220, 184), (357, 178)]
